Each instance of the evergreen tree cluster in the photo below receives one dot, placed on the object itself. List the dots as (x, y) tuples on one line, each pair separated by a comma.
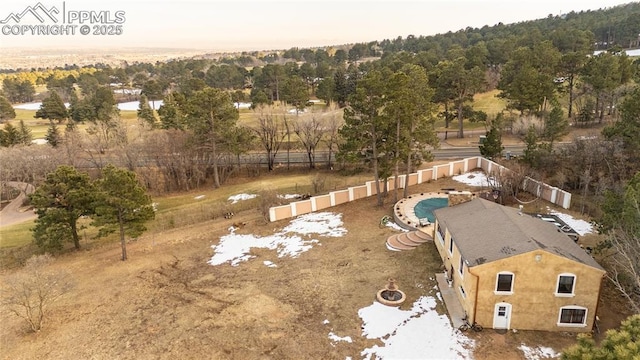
[(116, 202)]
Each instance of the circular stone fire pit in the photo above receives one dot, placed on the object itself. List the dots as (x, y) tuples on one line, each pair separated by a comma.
[(390, 295)]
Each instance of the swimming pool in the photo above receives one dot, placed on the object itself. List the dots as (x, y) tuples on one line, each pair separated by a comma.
[(424, 208)]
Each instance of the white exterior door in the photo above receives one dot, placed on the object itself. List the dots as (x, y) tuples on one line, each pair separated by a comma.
[(502, 316)]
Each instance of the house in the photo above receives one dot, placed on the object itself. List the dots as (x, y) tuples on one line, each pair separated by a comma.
[(513, 271)]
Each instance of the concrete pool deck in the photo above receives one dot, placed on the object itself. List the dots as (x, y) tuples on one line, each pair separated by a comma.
[(404, 211)]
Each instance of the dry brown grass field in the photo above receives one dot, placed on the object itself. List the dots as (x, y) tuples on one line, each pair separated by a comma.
[(166, 302)]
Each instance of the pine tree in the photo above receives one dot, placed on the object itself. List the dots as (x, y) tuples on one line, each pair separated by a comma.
[(617, 344), (52, 108), (145, 112), (556, 126), (24, 134), (10, 135), (122, 205), (6, 110), (492, 147), (366, 127), (64, 197), (170, 115), (53, 135), (295, 93), (530, 154), (211, 117)]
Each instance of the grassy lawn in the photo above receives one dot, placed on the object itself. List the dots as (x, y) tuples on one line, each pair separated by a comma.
[(129, 115), (20, 234), (204, 204), (489, 103), (16, 235), (26, 115)]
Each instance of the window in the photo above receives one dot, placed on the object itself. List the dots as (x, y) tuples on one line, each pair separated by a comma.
[(461, 269), (573, 316), (441, 233), (504, 283), (451, 245), (464, 294), (566, 284)]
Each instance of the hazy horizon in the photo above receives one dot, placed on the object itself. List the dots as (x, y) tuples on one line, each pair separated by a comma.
[(266, 25)]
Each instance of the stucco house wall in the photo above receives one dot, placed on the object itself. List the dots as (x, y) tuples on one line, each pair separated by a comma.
[(533, 302)]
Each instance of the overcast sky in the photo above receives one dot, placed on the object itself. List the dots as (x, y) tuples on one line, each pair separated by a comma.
[(257, 25)]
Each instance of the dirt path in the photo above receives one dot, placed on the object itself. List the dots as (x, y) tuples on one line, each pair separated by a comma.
[(14, 212)]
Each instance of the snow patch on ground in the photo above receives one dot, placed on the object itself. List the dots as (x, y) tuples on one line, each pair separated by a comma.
[(289, 196), (242, 105), (580, 226), (235, 248), (538, 353), (268, 263), (322, 223), (199, 197), (395, 226), (476, 178), (32, 106), (335, 338), (135, 105), (239, 197), (419, 333)]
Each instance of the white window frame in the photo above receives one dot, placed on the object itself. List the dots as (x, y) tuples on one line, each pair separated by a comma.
[(462, 292), (461, 270), (450, 245), (573, 288), (573, 307), (513, 278)]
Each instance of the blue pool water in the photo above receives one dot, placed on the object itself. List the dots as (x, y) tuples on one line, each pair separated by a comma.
[(424, 209)]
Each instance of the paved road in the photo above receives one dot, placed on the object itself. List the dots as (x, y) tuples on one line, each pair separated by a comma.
[(463, 152), (14, 213), (445, 152)]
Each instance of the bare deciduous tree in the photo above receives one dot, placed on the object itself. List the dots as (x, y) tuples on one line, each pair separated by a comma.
[(101, 137), (29, 164), (270, 133), (622, 247), (310, 131), (624, 265), (29, 292), (172, 165), (508, 183), (332, 125)]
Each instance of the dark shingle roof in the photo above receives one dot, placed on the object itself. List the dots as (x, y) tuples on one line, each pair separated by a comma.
[(485, 231)]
